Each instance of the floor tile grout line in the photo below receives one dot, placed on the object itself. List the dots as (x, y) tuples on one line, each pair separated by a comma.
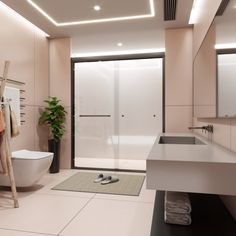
[(30, 232), (76, 215), (63, 195), (95, 197), (118, 200)]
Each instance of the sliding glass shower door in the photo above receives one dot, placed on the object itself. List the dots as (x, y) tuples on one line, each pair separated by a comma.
[(118, 112), (94, 114), (140, 109)]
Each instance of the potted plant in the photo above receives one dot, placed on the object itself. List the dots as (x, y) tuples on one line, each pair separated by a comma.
[(54, 115)]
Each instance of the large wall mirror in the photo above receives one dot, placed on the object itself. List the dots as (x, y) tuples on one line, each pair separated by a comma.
[(215, 68)]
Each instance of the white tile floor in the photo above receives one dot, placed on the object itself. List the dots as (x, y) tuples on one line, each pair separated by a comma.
[(48, 212)]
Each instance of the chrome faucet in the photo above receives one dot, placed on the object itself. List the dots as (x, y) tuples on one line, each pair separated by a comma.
[(208, 128)]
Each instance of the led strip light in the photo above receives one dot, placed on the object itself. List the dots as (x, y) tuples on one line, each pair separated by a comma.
[(115, 53), (225, 46), (39, 9)]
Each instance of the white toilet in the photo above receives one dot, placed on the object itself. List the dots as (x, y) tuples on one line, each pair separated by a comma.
[(28, 166)]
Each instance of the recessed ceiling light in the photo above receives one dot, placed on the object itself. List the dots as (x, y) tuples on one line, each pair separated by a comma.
[(97, 8), (119, 44)]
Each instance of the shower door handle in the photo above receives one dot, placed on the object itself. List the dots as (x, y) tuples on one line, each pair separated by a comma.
[(95, 116)]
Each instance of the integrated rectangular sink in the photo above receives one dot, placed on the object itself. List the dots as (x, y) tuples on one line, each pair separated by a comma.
[(180, 140)]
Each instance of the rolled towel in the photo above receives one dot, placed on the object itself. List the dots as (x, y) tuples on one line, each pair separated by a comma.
[(177, 219), (177, 202)]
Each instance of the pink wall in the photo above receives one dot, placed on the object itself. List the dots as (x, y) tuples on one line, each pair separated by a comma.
[(178, 79), (60, 86), (27, 49)]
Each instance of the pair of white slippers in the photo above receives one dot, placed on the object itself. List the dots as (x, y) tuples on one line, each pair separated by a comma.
[(106, 179)]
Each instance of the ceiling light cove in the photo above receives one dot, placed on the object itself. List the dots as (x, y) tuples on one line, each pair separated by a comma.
[(225, 46), (119, 44), (196, 11), (20, 19), (115, 53), (83, 22)]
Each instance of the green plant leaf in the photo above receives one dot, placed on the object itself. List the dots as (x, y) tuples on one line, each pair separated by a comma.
[(54, 115)]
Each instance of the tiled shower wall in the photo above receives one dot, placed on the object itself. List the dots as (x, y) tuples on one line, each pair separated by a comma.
[(27, 50)]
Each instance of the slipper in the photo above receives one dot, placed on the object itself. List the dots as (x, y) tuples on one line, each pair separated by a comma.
[(100, 178), (110, 179)]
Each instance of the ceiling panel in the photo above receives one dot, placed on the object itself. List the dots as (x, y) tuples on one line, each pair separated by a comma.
[(74, 10)]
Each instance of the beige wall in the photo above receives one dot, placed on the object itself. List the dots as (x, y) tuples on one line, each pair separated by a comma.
[(27, 50), (178, 79), (60, 86), (205, 18)]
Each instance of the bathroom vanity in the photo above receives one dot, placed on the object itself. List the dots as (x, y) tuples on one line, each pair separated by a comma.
[(190, 163)]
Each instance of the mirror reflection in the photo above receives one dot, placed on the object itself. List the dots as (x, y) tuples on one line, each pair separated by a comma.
[(215, 68)]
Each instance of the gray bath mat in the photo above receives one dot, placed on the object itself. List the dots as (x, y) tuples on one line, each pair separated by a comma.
[(83, 182)]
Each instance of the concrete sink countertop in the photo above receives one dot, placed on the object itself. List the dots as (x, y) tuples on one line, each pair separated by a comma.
[(203, 167)]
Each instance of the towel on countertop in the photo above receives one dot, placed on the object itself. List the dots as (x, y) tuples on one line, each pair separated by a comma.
[(177, 202), (177, 219)]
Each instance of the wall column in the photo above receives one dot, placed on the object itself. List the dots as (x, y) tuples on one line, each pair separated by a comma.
[(60, 87), (178, 79)]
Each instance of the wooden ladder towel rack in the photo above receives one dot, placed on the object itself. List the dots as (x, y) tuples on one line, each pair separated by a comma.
[(7, 136)]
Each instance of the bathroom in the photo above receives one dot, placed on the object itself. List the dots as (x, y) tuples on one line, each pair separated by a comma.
[(43, 62)]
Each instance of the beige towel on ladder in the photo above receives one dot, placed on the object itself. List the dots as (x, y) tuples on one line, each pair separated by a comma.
[(3, 147), (2, 122), (4, 154), (14, 126)]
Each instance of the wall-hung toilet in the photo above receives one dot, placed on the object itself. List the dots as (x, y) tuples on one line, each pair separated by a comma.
[(28, 166)]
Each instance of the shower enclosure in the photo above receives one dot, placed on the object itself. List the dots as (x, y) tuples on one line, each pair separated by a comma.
[(118, 112)]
